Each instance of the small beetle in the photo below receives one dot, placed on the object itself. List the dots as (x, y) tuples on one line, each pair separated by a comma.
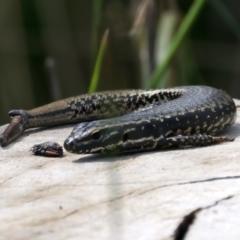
[(47, 149)]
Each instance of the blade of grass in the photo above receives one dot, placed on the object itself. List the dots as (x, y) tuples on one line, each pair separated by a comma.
[(98, 63), (166, 28), (227, 17), (183, 30), (96, 18)]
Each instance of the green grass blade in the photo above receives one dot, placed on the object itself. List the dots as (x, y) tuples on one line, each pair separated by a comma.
[(96, 19), (98, 64), (183, 30)]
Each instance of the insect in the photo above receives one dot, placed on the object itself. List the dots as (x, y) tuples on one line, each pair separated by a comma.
[(47, 149)]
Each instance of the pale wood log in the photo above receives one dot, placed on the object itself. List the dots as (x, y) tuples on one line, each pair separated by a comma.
[(134, 196)]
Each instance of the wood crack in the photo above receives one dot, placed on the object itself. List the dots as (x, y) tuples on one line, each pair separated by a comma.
[(193, 182), (184, 226)]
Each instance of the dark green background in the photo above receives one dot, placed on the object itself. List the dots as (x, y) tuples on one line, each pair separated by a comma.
[(31, 31)]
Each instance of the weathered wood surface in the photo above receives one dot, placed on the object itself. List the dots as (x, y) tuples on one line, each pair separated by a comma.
[(134, 196)]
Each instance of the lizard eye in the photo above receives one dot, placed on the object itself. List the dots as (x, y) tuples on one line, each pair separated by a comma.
[(125, 137), (96, 135)]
